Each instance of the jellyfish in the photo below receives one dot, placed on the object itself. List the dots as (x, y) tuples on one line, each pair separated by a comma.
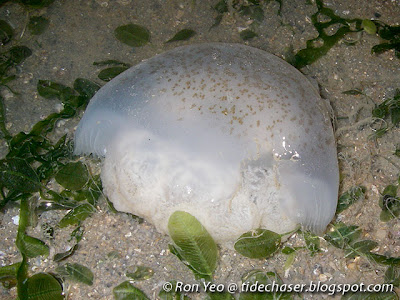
[(231, 134)]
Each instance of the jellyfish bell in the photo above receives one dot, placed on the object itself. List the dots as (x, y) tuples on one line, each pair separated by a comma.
[(231, 134)]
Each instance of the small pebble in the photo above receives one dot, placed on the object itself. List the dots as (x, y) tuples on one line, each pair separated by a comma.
[(352, 266), (15, 220), (323, 277), (317, 270)]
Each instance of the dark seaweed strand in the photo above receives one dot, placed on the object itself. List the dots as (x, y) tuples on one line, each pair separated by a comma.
[(311, 53)]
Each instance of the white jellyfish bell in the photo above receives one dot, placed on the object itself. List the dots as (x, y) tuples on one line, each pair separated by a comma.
[(231, 134)]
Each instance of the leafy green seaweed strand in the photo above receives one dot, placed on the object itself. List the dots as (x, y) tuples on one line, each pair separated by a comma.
[(6, 134), (391, 37), (27, 148), (31, 162), (312, 53)]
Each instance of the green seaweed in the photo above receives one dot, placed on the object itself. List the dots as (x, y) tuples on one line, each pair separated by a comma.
[(182, 35), (368, 26), (126, 290), (391, 37), (221, 7), (35, 4), (132, 35), (252, 9), (389, 202), (30, 4), (76, 272), (350, 197), (109, 73), (9, 60), (386, 116), (312, 53), (140, 273), (247, 34), (260, 243), (33, 159), (312, 242), (44, 286), (38, 25), (193, 244), (389, 108), (8, 275), (6, 32), (349, 239), (392, 276)]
